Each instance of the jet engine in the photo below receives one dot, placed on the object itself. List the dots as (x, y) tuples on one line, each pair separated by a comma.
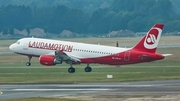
[(47, 60)]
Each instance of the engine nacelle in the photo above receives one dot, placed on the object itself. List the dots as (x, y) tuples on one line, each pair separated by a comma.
[(47, 60)]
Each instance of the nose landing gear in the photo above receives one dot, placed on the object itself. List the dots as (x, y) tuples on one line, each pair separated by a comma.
[(29, 61)]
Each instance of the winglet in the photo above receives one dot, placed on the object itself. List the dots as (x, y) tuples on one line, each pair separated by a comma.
[(150, 41)]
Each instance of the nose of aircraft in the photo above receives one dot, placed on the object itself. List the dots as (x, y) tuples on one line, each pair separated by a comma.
[(11, 47)]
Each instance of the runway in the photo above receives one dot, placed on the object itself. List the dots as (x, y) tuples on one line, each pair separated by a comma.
[(14, 91), (5, 52)]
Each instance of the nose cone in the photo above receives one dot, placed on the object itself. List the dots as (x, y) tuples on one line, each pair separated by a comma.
[(11, 47)]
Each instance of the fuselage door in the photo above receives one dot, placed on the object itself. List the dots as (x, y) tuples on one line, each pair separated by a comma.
[(127, 56), (25, 46)]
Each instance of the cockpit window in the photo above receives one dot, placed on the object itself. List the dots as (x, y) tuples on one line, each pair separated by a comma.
[(17, 42)]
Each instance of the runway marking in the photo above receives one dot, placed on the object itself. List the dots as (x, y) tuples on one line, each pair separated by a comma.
[(17, 94), (84, 92), (59, 89), (152, 98), (118, 85)]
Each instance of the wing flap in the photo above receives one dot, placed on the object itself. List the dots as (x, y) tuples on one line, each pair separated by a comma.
[(64, 57), (74, 58)]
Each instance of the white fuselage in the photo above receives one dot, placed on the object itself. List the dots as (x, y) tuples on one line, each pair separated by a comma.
[(37, 47)]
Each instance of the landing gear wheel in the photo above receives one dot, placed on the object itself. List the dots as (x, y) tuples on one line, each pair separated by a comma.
[(28, 64), (71, 70), (88, 69)]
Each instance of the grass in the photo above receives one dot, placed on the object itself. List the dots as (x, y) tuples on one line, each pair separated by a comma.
[(40, 74), (59, 74)]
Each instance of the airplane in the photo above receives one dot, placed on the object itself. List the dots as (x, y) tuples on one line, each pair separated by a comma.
[(52, 52)]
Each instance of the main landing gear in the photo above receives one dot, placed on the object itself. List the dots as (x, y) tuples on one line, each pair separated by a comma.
[(29, 62), (71, 70), (86, 69)]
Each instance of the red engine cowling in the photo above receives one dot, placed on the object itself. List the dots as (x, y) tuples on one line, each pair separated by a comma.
[(47, 60)]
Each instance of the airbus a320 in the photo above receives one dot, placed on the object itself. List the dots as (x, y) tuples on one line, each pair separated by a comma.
[(52, 52)]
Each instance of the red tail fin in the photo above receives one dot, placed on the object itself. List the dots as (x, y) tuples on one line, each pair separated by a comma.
[(150, 41)]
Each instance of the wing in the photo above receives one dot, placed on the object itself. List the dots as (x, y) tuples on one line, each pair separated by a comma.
[(62, 56)]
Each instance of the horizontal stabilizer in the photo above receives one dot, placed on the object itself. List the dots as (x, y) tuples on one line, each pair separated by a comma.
[(167, 54)]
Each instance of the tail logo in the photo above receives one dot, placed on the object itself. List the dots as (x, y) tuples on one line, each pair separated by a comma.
[(152, 38)]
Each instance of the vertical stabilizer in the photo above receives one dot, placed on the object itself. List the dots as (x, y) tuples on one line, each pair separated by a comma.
[(150, 41)]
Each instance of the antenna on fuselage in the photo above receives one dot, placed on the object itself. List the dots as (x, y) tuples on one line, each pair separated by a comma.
[(117, 44)]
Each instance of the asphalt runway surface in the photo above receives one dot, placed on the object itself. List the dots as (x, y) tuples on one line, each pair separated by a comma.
[(14, 91), (5, 52)]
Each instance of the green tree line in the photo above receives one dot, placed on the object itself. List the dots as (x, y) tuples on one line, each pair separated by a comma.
[(135, 15)]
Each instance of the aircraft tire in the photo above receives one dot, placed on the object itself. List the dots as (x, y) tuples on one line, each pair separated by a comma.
[(28, 64), (71, 70), (88, 69)]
